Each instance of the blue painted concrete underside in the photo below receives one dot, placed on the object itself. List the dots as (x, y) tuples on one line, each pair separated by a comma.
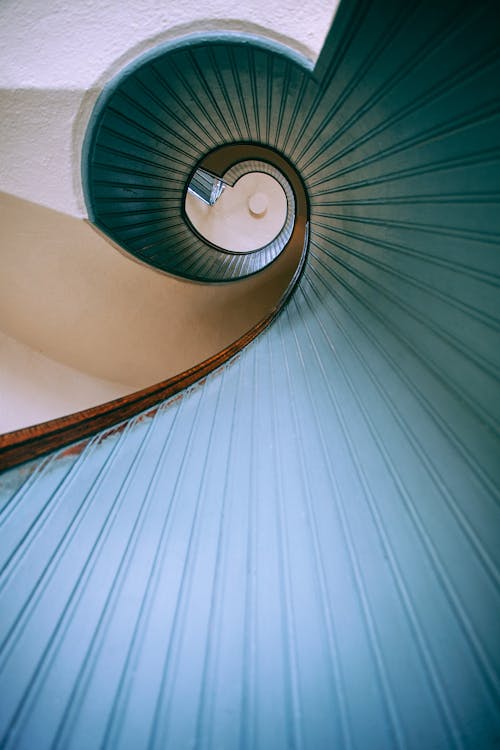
[(302, 551)]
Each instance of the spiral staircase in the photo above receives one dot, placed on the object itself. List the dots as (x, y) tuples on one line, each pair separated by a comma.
[(300, 549)]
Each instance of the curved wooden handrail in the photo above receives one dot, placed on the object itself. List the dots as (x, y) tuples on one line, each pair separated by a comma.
[(22, 445)]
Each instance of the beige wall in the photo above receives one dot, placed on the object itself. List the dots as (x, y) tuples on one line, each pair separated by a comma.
[(34, 388), (74, 311), (230, 223), (67, 294)]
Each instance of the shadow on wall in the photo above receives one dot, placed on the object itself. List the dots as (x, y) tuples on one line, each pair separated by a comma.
[(302, 552), (70, 295)]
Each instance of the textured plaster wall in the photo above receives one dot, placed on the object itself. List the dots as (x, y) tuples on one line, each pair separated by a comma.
[(56, 55), (37, 160)]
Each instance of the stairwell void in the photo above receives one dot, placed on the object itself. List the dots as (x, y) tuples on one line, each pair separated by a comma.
[(300, 551)]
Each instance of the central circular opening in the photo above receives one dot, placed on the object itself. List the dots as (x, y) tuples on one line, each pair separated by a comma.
[(258, 203), (243, 217)]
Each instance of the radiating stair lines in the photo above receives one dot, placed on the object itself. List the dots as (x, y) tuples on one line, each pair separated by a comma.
[(302, 551)]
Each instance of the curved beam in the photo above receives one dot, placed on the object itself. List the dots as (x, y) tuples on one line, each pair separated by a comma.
[(22, 445)]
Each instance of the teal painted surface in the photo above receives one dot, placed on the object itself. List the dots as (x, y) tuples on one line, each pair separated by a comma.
[(303, 550), (154, 124)]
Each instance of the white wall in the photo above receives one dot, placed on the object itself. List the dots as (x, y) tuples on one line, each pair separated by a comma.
[(56, 55), (72, 308)]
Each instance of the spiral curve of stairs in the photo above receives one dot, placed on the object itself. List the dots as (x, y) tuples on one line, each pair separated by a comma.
[(301, 550)]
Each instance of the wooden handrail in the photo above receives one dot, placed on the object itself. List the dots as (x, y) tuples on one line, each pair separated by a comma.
[(22, 445)]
